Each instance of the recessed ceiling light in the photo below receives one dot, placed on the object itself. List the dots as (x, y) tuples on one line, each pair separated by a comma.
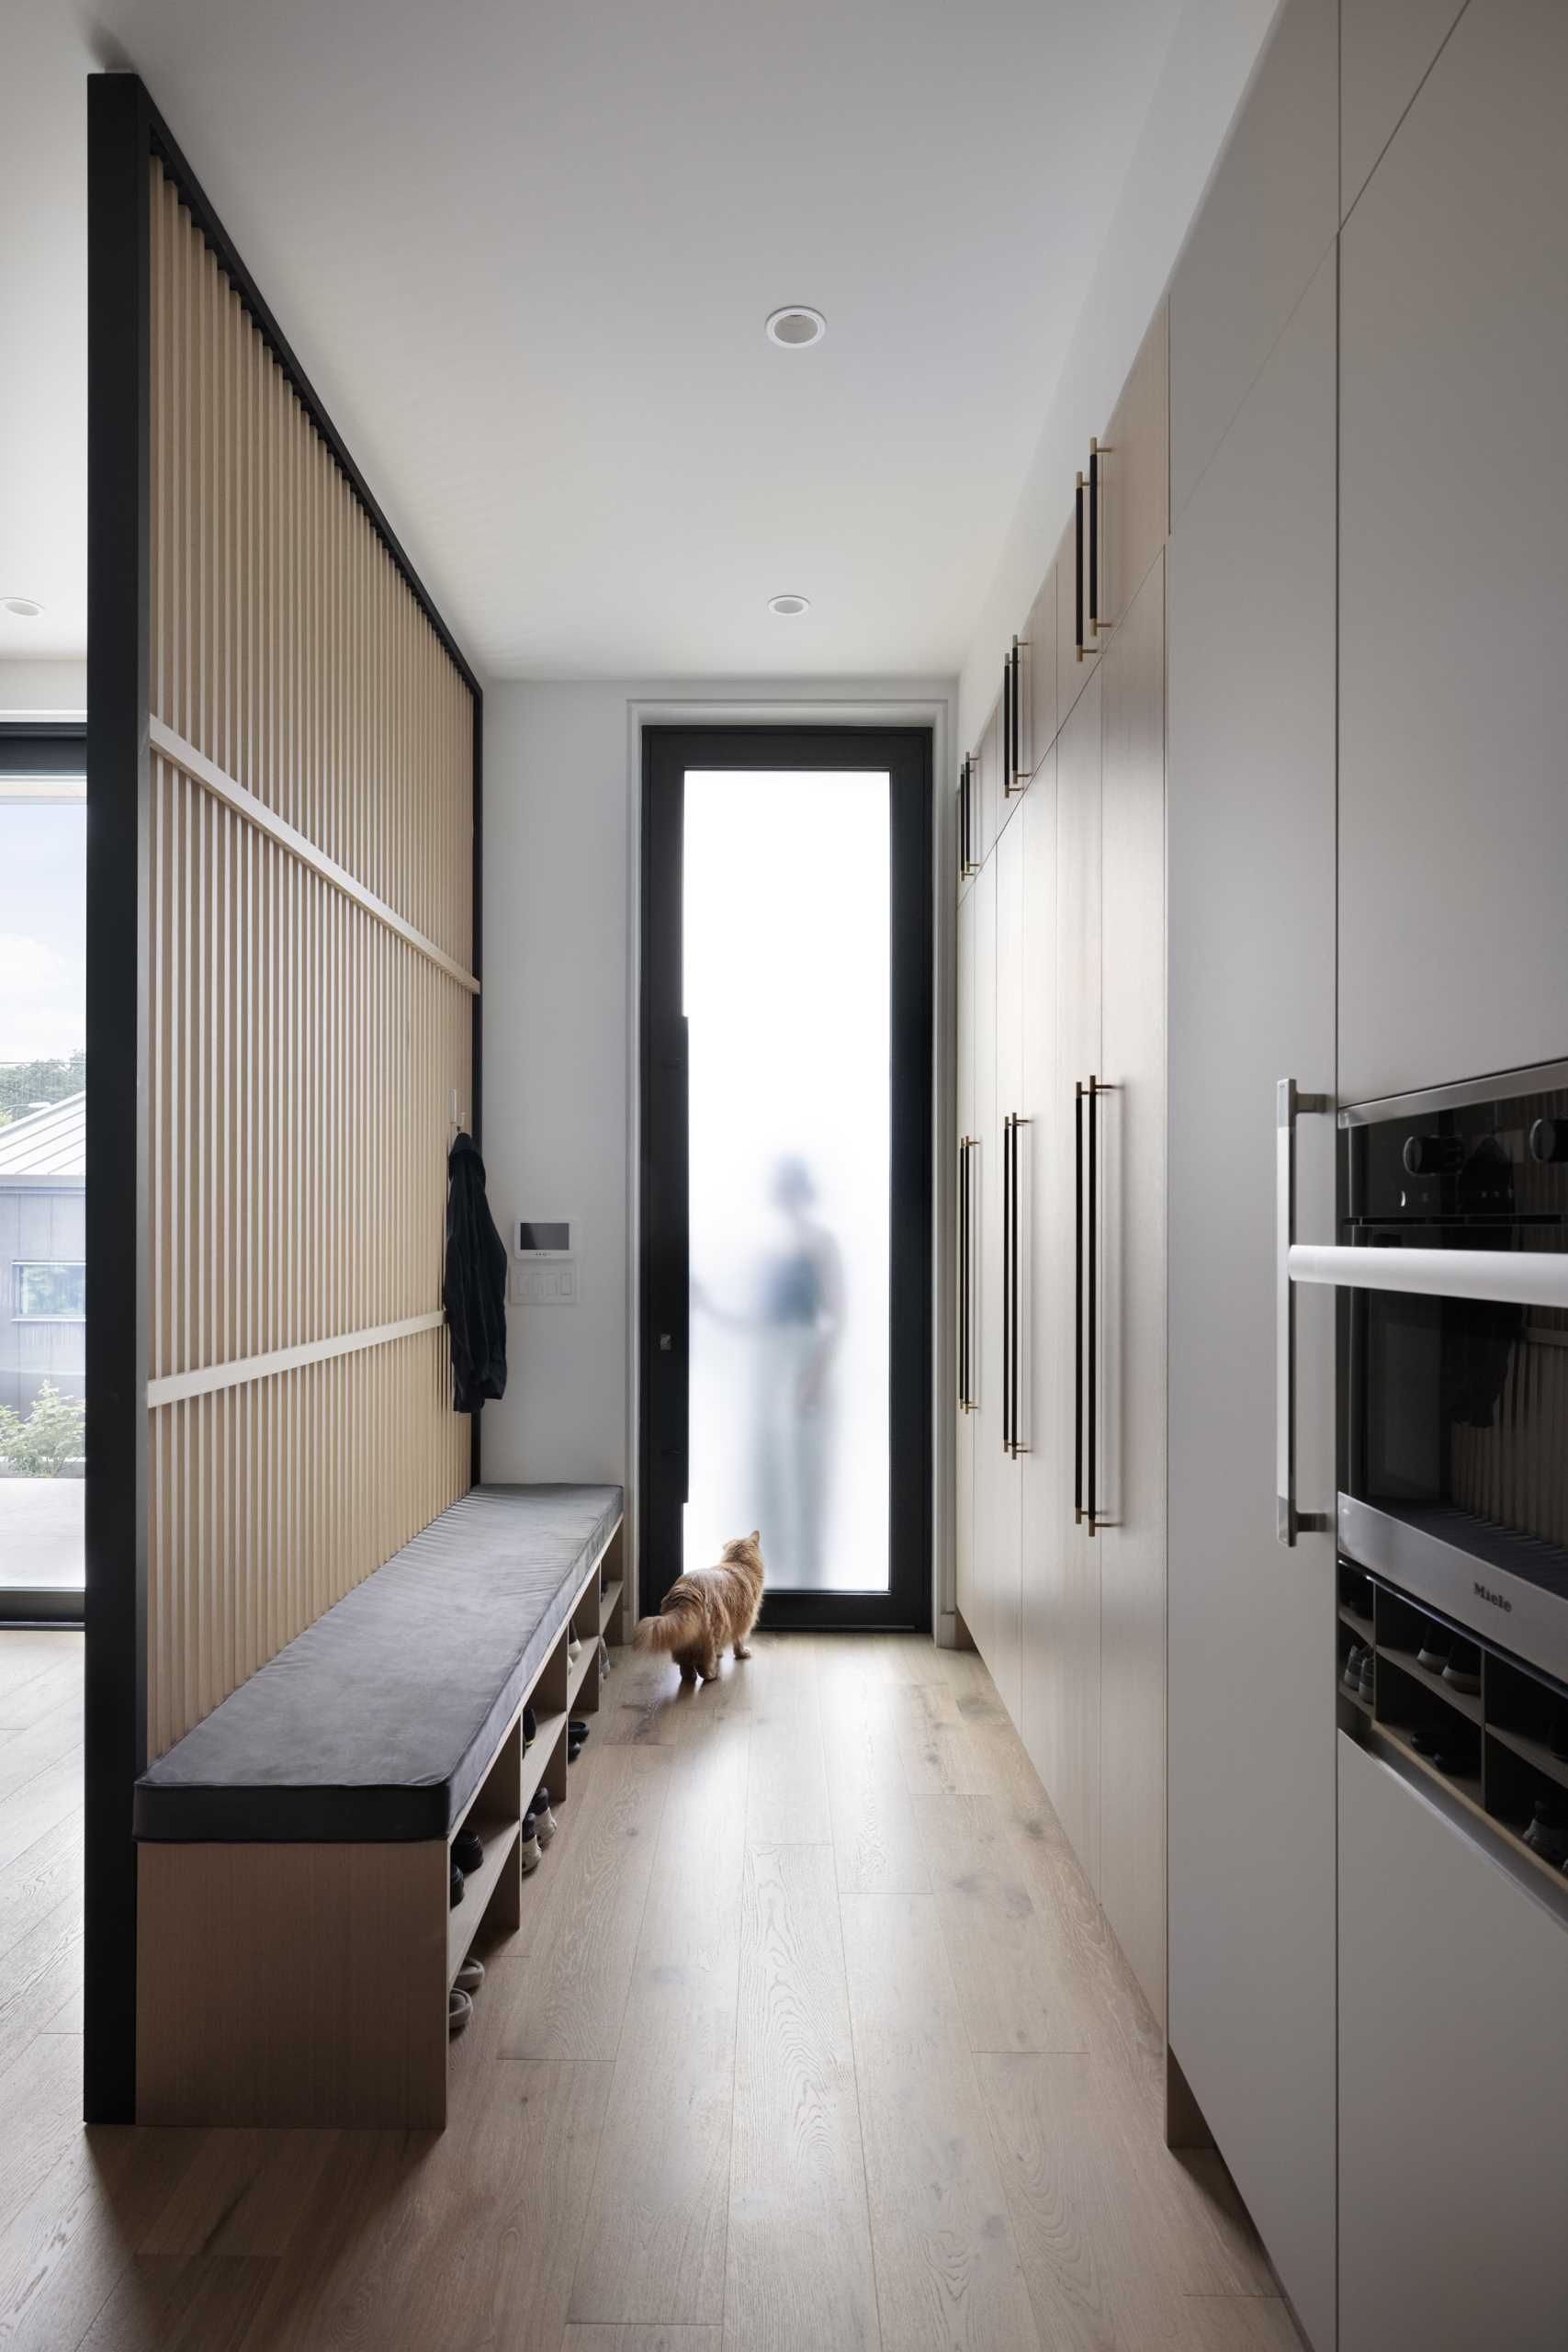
[(797, 326), (24, 608), (789, 607)]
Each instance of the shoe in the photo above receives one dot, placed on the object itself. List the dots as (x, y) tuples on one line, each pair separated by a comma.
[(579, 1730), (1368, 1662), (1462, 1672), (529, 1854), (544, 1819), (1437, 1648), (606, 1660), (573, 1750), (530, 1728), (1548, 1833), (573, 1648), (459, 2009), (470, 1977), (456, 1884), (1350, 1676), (467, 1852)]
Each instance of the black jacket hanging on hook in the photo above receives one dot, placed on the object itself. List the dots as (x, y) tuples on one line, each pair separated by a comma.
[(474, 1290)]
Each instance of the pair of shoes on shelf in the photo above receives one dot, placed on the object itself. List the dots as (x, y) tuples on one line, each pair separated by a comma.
[(460, 1999), (455, 1886), (467, 1852), (539, 1825), (1547, 1832), (576, 1733), (1350, 1673), (530, 1728), (1462, 1670)]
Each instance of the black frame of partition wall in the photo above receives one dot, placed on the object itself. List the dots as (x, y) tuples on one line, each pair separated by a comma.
[(125, 133)]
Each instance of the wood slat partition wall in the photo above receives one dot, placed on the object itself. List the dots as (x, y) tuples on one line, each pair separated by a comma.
[(310, 1007)]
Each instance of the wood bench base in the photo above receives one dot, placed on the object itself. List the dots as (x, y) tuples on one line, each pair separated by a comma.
[(306, 1985)]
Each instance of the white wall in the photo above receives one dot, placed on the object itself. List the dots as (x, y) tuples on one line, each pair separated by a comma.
[(562, 781), (1207, 73)]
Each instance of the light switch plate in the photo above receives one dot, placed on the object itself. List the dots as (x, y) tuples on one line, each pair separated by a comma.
[(550, 1282)]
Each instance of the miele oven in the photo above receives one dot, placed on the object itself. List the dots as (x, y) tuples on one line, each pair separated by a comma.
[(1452, 1275)]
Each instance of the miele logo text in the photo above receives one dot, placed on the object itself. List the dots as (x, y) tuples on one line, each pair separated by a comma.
[(1495, 1597)]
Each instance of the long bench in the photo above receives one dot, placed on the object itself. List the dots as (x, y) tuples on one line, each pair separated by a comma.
[(296, 1940)]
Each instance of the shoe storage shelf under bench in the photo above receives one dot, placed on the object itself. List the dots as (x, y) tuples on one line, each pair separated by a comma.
[(291, 1974)]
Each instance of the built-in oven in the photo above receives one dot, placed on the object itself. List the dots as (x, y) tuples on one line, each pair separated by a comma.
[(1452, 1275)]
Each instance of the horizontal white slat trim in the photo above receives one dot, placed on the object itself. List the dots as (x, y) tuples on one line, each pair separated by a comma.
[(195, 765), (242, 1369), (1512, 1277)]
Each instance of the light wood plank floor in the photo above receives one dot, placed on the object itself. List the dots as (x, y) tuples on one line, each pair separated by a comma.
[(813, 2039)]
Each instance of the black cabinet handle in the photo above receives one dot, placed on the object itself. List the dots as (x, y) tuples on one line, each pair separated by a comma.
[(1077, 565), (1091, 1369), (1078, 1302), (1095, 1089), (1007, 728), (966, 816), (1007, 1283), (1094, 538), (1015, 773), (1012, 1438), (965, 1275)]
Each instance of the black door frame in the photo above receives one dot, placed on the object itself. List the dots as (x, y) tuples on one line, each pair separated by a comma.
[(663, 1204), (45, 747)]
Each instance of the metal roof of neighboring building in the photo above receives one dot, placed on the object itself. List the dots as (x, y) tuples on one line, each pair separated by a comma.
[(48, 1146)]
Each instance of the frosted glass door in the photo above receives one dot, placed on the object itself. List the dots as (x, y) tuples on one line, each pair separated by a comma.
[(787, 889)]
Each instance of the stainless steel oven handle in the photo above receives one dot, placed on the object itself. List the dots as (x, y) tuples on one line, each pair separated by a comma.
[(1510, 1277), (1289, 1105)]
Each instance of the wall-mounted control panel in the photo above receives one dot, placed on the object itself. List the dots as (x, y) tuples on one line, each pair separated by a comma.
[(544, 1271)]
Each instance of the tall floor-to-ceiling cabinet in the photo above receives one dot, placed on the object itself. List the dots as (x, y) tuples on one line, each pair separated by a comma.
[(1061, 1550), (1274, 790)]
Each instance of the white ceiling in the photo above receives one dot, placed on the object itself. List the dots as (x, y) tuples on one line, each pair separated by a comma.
[(526, 249)]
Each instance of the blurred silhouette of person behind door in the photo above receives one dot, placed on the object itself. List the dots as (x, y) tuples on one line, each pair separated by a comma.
[(795, 1329)]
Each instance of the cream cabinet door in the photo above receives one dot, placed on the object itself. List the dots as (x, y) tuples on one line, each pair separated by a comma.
[(1454, 2084), (1385, 47), (1453, 521), (1131, 1429), (987, 1268), (997, 1466), (1250, 916), (1135, 477), (1076, 1793), (1040, 663), (968, 1214), (1268, 218), (1045, 1402)]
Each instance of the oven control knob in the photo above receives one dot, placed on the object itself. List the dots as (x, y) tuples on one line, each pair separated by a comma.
[(1433, 1155), (1548, 1139)]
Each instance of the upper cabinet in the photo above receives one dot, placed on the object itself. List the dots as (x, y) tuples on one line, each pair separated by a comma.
[(1453, 533), (1040, 662), (1269, 217), (1385, 47), (1134, 478), (1076, 651)]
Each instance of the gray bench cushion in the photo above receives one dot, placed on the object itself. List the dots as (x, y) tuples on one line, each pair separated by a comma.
[(377, 1721)]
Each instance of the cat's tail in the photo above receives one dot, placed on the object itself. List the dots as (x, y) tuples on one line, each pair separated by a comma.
[(678, 1626)]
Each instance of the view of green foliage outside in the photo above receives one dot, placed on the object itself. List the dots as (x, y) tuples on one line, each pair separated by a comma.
[(40, 1443), (24, 1085)]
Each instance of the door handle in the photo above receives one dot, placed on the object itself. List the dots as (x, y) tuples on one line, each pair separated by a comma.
[(1091, 1094), (1015, 776), (1078, 1301), (1095, 453), (1291, 1104), (1077, 564), (1011, 1436), (965, 1275), (1007, 1283)]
